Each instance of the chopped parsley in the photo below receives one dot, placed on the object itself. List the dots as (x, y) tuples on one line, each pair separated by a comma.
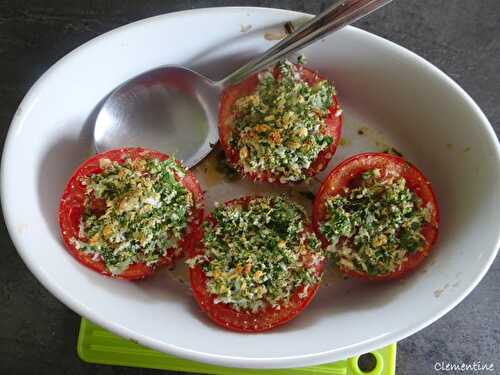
[(257, 253), (133, 212), (373, 227), (280, 128)]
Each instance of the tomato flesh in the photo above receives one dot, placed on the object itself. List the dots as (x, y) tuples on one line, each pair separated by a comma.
[(72, 206), (346, 174), (245, 321), (247, 87)]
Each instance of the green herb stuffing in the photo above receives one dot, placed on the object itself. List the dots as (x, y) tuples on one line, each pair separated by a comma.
[(258, 254), (373, 227), (280, 128), (144, 212)]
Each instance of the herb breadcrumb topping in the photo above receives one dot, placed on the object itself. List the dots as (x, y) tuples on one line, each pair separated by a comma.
[(133, 212), (258, 252), (280, 128), (373, 228)]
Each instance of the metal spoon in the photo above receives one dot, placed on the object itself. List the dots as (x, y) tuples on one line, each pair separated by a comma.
[(174, 109)]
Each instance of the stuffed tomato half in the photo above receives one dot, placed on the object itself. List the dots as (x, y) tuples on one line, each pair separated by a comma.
[(257, 264), (377, 216), (282, 125), (127, 211)]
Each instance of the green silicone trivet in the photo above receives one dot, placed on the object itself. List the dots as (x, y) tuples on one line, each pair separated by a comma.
[(96, 345)]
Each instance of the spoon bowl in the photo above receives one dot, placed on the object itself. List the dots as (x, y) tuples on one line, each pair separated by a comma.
[(167, 108)]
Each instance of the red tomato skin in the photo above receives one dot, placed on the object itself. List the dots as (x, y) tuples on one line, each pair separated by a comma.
[(245, 321), (352, 167), (231, 94), (71, 209)]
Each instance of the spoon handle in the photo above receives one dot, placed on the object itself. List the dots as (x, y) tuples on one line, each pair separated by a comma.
[(336, 16)]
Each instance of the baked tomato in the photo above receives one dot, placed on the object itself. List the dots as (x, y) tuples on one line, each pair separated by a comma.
[(402, 215), (76, 200), (277, 129), (243, 269)]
